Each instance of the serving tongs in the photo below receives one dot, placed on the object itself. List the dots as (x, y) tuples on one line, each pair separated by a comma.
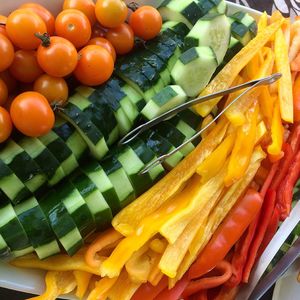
[(248, 86)]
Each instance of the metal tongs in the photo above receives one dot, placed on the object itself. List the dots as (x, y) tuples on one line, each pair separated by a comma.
[(248, 86)]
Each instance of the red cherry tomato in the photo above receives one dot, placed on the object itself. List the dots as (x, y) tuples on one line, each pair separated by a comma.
[(85, 6), (5, 125), (6, 52), (146, 22), (3, 92), (22, 25), (74, 26), (44, 13), (99, 41), (122, 38), (111, 13), (95, 65), (25, 67), (32, 114), (98, 31), (9, 80)]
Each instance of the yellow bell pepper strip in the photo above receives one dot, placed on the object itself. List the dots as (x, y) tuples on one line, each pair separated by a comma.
[(129, 218), (57, 284), (266, 104), (155, 275), (277, 131), (104, 240), (206, 121), (198, 196), (123, 289), (243, 148), (263, 22), (285, 87), (82, 280), (218, 214), (227, 75), (101, 288), (214, 163), (261, 131), (158, 245), (62, 262)]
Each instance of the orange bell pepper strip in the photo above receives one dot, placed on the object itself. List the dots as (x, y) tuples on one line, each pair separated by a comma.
[(129, 218), (101, 288), (285, 87), (57, 284), (227, 234), (277, 131), (243, 148), (226, 76), (105, 239), (62, 262), (82, 280), (213, 164)]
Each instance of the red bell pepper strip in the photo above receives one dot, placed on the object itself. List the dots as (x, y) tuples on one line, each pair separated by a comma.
[(228, 233), (148, 292), (269, 179), (195, 286), (202, 295), (294, 138), (175, 292), (296, 96), (265, 216), (270, 232), (240, 254), (285, 197)]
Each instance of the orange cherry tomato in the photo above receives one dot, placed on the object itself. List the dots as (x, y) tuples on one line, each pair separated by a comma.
[(146, 22), (21, 26), (44, 13), (95, 65), (25, 67), (98, 31), (85, 6), (111, 13), (32, 114), (59, 58), (3, 92), (5, 125), (74, 26), (9, 80), (6, 52), (122, 38), (55, 89), (3, 20), (105, 44)]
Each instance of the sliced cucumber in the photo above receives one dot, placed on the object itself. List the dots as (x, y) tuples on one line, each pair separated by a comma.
[(134, 97), (5, 252), (247, 20), (212, 31), (178, 27), (220, 8), (194, 69), (168, 98)]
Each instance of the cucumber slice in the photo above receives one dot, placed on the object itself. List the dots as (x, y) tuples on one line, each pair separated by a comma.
[(194, 69), (168, 98), (177, 27), (241, 32), (211, 31), (37, 228), (234, 47), (137, 100), (247, 20), (220, 8), (5, 252)]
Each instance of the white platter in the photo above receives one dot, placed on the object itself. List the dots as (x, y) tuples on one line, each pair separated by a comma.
[(32, 281)]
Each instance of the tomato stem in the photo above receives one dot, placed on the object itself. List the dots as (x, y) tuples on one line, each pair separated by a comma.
[(133, 6), (45, 38)]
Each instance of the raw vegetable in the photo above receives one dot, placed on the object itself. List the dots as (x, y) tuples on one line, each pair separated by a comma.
[(100, 41), (6, 51), (5, 125), (3, 92)]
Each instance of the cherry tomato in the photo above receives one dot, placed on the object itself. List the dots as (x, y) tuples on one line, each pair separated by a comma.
[(85, 6), (95, 65), (59, 59), (55, 89), (98, 31), (25, 67), (5, 125), (74, 26), (44, 13), (21, 26), (105, 44), (3, 92), (32, 114), (3, 20), (6, 52), (111, 13), (146, 22), (9, 80), (122, 38)]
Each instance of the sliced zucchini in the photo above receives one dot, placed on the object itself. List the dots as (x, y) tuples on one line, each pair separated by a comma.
[(168, 98), (194, 69), (212, 31), (37, 228)]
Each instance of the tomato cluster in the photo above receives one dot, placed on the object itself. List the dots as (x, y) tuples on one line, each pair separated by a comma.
[(39, 51)]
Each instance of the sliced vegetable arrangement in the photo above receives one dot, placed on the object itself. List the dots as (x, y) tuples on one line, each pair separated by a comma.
[(195, 224)]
